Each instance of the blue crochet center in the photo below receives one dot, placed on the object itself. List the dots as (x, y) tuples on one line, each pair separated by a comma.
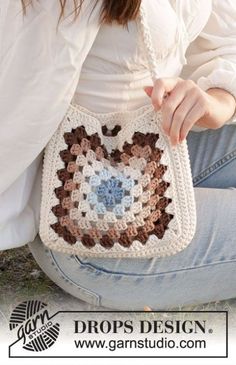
[(110, 192)]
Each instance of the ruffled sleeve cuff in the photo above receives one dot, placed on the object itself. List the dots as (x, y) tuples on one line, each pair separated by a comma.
[(223, 79)]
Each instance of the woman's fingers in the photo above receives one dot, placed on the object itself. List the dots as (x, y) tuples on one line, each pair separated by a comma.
[(169, 106), (184, 105), (196, 113), (160, 89), (178, 118), (148, 90)]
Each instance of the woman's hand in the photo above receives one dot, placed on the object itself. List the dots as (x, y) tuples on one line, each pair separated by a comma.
[(183, 103)]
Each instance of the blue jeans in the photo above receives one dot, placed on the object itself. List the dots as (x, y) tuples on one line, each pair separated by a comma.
[(204, 271)]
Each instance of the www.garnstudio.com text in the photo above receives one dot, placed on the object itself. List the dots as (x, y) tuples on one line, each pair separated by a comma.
[(142, 327), (161, 343)]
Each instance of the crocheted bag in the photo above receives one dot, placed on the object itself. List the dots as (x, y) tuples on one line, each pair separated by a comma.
[(113, 186)]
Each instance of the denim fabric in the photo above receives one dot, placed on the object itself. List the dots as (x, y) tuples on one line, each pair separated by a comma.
[(204, 271)]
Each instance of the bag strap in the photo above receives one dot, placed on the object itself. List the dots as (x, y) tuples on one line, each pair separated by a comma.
[(147, 41)]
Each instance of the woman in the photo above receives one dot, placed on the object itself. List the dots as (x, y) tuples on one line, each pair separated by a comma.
[(102, 66)]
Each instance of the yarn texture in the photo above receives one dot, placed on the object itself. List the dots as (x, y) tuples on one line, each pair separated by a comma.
[(127, 194)]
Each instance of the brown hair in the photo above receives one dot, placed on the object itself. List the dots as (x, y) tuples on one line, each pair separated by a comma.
[(120, 11)]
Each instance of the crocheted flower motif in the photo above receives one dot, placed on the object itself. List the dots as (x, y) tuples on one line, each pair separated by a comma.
[(106, 198), (110, 193)]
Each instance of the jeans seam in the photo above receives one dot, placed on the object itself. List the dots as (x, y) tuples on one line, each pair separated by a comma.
[(93, 268), (90, 295), (215, 166)]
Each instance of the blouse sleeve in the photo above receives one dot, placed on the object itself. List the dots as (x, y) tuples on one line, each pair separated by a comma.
[(39, 71), (211, 56)]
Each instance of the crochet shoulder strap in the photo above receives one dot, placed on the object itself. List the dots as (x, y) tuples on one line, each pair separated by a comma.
[(147, 40)]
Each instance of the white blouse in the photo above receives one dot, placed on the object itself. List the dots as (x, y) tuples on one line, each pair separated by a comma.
[(101, 67)]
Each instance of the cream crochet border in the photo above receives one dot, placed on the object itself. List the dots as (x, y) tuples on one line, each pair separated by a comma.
[(145, 119)]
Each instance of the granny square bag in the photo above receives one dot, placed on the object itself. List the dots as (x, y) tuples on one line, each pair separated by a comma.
[(112, 184)]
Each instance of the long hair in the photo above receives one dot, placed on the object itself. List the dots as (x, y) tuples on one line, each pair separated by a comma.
[(120, 11)]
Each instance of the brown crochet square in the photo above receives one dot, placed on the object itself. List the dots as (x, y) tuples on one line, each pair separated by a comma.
[(81, 147)]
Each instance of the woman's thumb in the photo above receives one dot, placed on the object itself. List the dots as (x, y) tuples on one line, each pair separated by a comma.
[(148, 90)]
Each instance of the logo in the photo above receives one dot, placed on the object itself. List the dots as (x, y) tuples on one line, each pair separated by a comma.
[(34, 326)]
